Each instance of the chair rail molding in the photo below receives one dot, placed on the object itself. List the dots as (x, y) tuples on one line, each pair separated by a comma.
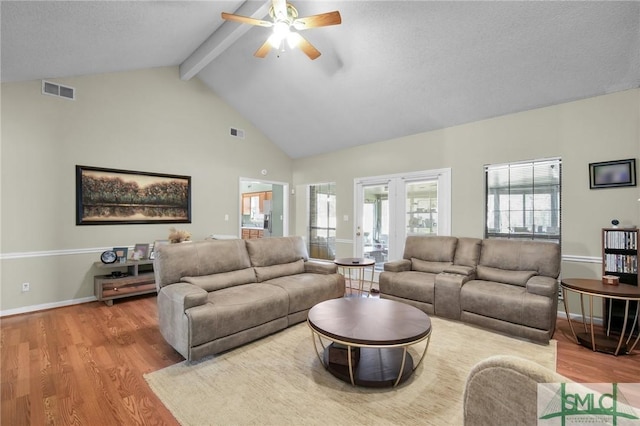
[(49, 253)]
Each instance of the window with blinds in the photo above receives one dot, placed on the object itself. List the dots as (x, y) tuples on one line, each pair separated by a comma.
[(322, 221), (523, 200)]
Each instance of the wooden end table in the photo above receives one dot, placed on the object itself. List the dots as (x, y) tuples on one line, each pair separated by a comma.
[(374, 336), (359, 264), (595, 288)]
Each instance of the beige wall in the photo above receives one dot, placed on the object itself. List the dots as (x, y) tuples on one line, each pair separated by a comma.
[(152, 121), (146, 120), (596, 129)]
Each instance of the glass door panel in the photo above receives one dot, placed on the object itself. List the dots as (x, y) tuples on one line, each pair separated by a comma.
[(375, 223), (388, 208), (421, 207)]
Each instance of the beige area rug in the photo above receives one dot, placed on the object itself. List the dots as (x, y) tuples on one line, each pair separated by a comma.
[(279, 380)]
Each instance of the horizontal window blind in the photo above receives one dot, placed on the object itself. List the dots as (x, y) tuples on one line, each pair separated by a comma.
[(523, 200)]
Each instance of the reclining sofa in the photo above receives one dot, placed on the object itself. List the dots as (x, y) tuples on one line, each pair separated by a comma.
[(217, 295), (506, 285)]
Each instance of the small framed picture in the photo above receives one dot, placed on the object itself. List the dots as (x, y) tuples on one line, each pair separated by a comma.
[(611, 174), (121, 252), (140, 251)]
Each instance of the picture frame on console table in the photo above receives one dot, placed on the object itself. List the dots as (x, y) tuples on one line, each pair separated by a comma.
[(121, 252), (141, 251), (111, 196), (612, 174)]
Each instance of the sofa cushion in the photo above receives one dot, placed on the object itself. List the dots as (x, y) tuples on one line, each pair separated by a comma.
[(276, 251), (409, 285), (264, 273), (428, 266), (468, 252), (234, 309), (433, 248), (307, 290), (515, 255), (174, 261), (222, 280), (504, 276), (506, 302)]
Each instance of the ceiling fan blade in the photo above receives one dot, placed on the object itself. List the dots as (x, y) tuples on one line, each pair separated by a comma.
[(308, 48), (279, 9), (246, 20), (322, 20), (263, 50)]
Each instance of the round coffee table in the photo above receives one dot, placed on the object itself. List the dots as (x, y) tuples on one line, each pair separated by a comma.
[(369, 339)]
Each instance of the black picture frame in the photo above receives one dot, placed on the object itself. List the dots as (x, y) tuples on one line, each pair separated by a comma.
[(111, 196), (612, 174)]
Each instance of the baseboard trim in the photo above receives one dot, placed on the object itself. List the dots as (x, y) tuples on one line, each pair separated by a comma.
[(45, 306), (578, 317)]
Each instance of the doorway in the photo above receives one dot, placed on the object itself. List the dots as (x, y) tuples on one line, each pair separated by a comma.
[(264, 208), (391, 207)]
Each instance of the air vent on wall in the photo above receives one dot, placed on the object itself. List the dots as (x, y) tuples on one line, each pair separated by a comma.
[(54, 89), (238, 133)]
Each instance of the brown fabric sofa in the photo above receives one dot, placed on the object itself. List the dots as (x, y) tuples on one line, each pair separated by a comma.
[(217, 295), (505, 285)]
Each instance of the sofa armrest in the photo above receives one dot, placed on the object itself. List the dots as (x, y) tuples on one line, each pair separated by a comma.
[(401, 265), (319, 267), (447, 287), (184, 295), (503, 389), (174, 300), (542, 286)]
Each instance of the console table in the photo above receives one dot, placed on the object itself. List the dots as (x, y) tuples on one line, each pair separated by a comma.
[(603, 342), (131, 283)]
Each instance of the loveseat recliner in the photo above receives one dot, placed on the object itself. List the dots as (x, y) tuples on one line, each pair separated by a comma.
[(506, 285), (217, 295)]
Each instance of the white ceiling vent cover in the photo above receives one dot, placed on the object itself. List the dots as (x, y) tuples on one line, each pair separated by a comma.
[(236, 133), (54, 89)]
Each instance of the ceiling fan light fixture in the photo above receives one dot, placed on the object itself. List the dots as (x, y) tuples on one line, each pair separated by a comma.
[(293, 39), (281, 31), (284, 19)]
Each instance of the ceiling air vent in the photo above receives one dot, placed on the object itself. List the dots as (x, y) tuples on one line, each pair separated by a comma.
[(54, 89), (236, 133)]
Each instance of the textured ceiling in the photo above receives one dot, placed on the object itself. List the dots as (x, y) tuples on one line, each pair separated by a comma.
[(391, 69)]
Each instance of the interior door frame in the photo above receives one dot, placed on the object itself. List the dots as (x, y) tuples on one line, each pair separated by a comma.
[(285, 202), (396, 184)]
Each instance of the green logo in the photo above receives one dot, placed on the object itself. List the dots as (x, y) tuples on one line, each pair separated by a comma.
[(581, 405)]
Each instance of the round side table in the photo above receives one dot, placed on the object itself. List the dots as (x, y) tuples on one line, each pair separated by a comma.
[(359, 265)]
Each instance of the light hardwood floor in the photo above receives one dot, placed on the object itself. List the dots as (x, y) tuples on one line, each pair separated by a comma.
[(84, 365)]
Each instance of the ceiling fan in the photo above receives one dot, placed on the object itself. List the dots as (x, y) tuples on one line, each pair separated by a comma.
[(286, 26)]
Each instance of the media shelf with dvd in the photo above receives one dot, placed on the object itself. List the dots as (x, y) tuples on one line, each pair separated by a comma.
[(620, 259)]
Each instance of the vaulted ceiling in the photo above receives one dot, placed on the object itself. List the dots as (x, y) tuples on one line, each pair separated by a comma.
[(391, 69)]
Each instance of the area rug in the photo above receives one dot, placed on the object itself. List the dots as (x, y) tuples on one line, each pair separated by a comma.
[(279, 380)]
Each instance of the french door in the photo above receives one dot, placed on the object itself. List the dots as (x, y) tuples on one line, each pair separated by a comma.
[(388, 208)]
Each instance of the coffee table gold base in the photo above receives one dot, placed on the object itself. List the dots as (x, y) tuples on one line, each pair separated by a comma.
[(377, 366)]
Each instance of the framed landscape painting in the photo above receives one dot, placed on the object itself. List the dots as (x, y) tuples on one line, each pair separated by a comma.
[(110, 196)]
